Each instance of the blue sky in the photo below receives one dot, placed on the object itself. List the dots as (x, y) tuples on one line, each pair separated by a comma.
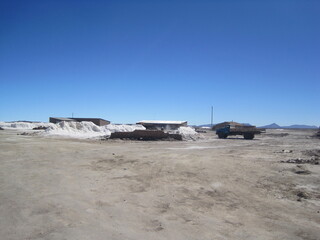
[(125, 61)]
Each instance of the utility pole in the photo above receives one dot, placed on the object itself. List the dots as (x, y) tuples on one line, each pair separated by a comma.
[(211, 116)]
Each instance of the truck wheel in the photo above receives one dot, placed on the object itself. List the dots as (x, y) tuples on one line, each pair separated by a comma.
[(222, 135), (248, 136)]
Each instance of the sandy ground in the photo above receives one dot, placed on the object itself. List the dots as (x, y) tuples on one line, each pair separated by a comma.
[(211, 189)]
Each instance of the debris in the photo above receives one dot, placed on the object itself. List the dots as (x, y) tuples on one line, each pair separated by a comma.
[(284, 151), (303, 172), (200, 130), (313, 161), (28, 133), (276, 134), (312, 153), (317, 134), (40, 128), (287, 151)]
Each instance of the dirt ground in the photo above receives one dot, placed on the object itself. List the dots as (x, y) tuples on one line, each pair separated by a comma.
[(210, 189)]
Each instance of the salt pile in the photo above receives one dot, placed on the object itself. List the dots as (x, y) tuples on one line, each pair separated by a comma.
[(124, 128), (187, 133), (88, 129), (77, 130), (24, 125)]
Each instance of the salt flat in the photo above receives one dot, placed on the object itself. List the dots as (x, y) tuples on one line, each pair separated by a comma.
[(59, 188)]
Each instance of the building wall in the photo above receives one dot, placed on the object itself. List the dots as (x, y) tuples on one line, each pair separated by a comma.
[(57, 120), (53, 120), (97, 121), (104, 122)]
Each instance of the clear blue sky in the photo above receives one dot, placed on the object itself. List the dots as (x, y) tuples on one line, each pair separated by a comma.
[(125, 61)]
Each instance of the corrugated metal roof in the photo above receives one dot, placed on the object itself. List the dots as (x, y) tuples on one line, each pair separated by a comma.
[(161, 122)]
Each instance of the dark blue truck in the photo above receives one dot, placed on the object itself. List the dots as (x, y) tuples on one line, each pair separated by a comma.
[(247, 132)]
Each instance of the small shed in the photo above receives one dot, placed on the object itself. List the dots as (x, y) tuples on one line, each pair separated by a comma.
[(162, 125)]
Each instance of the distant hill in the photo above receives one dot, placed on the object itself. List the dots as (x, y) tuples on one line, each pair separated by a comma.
[(300, 126), (275, 126), (272, 125)]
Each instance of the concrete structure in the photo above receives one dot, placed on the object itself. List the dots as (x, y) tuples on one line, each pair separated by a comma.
[(97, 121), (162, 125)]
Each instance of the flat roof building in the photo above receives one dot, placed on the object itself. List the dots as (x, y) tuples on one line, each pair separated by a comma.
[(96, 121)]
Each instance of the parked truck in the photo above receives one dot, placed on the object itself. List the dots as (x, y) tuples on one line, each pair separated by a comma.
[(247, 132)]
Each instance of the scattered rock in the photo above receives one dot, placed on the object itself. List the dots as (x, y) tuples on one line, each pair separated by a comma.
[(200, 131), (277, 134), (303, 195), (287, 151), (313, 161), (284, 151), (28, 134), (312, 153), (317, 134), (1, 128), (303, 172)]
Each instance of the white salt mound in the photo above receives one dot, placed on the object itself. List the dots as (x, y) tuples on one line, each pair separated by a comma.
[(77, 130), (88, 129), (124, 128), (187, 133), (23, 125)]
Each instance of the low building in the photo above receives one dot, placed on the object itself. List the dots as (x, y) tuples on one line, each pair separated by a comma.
[(162, 125), (97, 121), (60, 119)]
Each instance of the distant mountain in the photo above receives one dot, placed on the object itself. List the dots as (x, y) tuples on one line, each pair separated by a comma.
[(275, 126), (301, 126), (272, 125)]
